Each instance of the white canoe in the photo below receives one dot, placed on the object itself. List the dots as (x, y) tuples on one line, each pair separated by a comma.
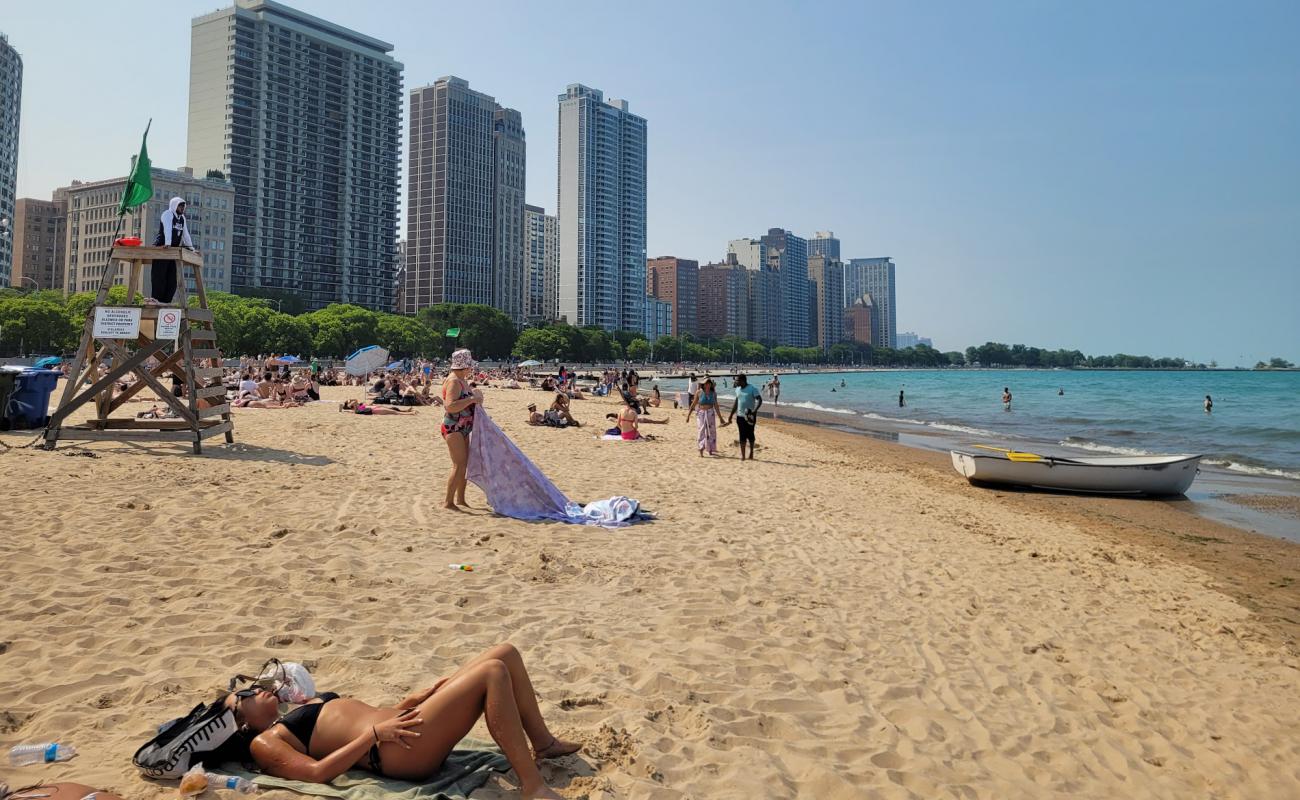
[(1153, 475)]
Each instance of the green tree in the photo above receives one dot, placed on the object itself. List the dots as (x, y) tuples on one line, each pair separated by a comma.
[(35, 326), (638, 350), (407, 336), (488, 332), (543, 344), (1279, 363)]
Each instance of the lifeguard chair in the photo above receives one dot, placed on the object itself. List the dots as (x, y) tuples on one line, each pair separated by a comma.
[(150, 342)]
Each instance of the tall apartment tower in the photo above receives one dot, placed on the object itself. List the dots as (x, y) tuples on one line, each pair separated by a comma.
[(826, 306), (542, 262), (723, 300), (465, 200), (874, 276), (303, 116), (11, 100), (38, 242), (509, 270), (601, 204), (787, 255), (824, 243), (762, 290), (677, 281)]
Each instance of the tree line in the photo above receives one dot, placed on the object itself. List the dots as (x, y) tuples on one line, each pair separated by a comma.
[(45, 322)]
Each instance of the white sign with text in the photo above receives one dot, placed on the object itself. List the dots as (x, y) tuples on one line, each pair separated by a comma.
[(169, 323), (117, 322)]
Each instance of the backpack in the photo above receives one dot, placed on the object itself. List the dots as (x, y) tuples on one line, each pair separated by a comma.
[(168, 754)]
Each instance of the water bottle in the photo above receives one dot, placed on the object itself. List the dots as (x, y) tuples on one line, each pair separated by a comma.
[(24, 754), (242, 785)]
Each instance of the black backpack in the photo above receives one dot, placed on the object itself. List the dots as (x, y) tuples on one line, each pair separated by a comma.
[(203, 730)]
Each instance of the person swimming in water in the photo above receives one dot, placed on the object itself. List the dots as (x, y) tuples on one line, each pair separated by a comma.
[(1060, 392)]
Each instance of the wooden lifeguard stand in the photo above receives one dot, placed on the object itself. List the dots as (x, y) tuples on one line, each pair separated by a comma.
[(119, 341)]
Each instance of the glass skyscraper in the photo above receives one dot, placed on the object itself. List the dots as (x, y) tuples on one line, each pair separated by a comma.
[(11, 96), (303, 117), (602, 211), (874, 276)]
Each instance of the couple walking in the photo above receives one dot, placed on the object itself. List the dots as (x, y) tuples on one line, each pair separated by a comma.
[(704, 404)]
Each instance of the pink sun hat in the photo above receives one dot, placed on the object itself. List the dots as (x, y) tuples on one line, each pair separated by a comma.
[(463, 359)]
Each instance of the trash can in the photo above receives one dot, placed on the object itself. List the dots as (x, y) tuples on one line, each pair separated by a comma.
[(7, 380), (28, 405)]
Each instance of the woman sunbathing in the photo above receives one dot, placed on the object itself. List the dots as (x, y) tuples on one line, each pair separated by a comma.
[(321, 740), (367, 410)]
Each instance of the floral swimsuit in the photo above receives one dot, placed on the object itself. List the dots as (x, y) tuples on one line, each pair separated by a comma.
[(462, 421)]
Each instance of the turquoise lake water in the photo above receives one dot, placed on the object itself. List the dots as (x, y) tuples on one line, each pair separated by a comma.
[(1255, 426)]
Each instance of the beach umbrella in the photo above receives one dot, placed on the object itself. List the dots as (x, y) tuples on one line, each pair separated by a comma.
[(289, 359), (394, 365), (532, 362), (366, 360), (48, 363)]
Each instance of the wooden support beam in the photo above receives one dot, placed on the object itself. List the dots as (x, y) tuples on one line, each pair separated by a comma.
[(163, 392), (122, 365)]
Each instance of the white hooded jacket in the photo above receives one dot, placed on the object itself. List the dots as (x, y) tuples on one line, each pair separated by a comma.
[(169, 221)]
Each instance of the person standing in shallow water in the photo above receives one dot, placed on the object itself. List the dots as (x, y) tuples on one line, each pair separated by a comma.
[(901, 402), (1006, 398), (1209, 405)]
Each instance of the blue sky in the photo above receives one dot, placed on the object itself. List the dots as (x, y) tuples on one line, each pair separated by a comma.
[(1107, 176)]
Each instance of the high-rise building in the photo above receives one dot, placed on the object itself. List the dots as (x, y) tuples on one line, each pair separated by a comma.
[(764, 309), (92, 221), (722, 301), (787, 255), (465, 200), (676, 280), (910, 339), (824, 243), (748, 253), (659, 318), (38, 242), (857, 320), (602, 211), (303, 116), (399, 278), (874, 276), (542, 262), (11, 100), (827, 300), (509, 270)]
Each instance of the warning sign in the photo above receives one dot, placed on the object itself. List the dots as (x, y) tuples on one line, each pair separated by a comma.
[(169, 323), (117, 322)]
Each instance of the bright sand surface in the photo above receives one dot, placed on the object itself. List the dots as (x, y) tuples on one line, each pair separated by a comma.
[(832, 621)]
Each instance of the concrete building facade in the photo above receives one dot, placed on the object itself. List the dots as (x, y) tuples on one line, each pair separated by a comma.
[(11, 101), (542, 262), (303, 117), (601, 205), (826, 295), (676, 281), (92, 220), (39, 233), (509, 270), (465, 200), (858, 322), (874, 276), (722, 301)]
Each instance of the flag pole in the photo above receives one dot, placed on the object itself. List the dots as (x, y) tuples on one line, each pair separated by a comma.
[(121, 210)]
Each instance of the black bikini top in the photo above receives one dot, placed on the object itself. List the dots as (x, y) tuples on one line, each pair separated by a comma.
[(301, 722)]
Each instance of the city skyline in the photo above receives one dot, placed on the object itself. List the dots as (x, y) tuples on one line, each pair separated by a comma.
[(1040, 175)]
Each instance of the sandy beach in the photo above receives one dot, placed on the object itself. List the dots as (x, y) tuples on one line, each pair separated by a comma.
[(840, 619)]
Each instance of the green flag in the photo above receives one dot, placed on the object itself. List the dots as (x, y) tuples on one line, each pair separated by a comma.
[(453, 332), (139, 186)]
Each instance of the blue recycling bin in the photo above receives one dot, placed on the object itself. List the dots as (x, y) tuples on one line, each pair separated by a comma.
[(29, 403)]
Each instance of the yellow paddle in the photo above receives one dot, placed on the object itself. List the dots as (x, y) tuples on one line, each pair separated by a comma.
[(1013, 455)]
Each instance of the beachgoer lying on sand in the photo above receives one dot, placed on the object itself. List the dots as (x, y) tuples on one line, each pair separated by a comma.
[(534, 418), (368, 410), (56, 791), (321, 740), (248, 402)]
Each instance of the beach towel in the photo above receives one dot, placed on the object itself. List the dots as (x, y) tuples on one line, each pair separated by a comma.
[(464, 771), (516, 488)]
